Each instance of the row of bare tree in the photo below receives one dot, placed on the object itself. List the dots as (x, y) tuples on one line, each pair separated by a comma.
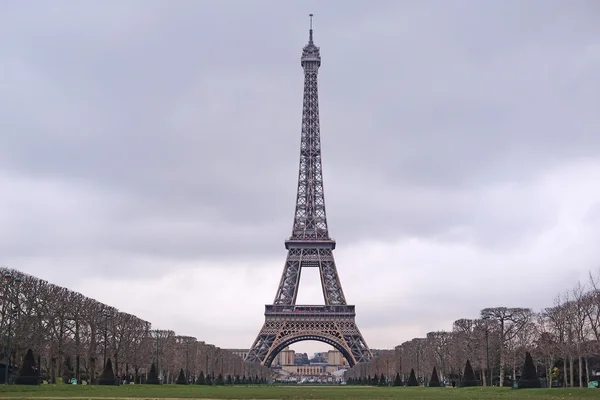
[(563, 339), (73, 335)]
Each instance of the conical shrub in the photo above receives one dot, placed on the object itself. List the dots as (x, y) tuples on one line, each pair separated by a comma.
[(469, 378), (398, 380), (200, 380), (412, 379), (529, 378), (152, 376), (28, 375), (108, 375), (181, 378), (434, 381)]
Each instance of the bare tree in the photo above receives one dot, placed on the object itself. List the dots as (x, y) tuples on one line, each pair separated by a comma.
[(592, 309), (68, 333), (439, 342)]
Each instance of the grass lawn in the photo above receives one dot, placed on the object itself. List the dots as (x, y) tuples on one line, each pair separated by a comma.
[(287, 392)]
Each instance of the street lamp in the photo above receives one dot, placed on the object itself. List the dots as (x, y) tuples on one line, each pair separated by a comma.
[(10, 281), (157, 354), (487, 350), (187, 360), (106, 315), (387, 369)]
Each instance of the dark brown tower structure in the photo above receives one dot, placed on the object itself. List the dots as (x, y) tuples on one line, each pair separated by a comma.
[(310, 247)]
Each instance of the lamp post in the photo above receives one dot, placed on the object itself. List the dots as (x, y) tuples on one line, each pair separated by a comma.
[(487, 351), (418, 369), (106, 315), (187, 360), (387, 369), (487, 356), (10, 281), (157, 354)]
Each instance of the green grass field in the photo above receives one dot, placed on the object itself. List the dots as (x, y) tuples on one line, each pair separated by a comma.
[(287, 392)]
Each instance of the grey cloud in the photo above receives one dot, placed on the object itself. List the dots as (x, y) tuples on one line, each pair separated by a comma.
[(191, 116)]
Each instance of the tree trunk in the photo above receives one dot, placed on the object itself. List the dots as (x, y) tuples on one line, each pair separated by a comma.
[(501, 367), (549, 371), (571, 372), (580, 370), (587, 371), (53, 369), (77, 373), (567, 371), (93, 370)]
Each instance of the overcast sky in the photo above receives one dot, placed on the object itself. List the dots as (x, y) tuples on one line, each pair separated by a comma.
[(149, 154)]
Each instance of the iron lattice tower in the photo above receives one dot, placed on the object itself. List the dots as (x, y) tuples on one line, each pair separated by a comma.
[(310, 247)]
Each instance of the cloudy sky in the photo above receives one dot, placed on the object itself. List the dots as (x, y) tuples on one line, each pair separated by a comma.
[(149, 155)]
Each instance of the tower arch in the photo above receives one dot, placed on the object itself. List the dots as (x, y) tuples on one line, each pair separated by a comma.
[(301, 337)]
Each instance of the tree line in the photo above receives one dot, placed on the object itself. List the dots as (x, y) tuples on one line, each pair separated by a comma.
[(563, 340), (72, 336)]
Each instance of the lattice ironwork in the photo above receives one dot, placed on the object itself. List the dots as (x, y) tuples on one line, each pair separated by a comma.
[(310, 247), (329, 324)]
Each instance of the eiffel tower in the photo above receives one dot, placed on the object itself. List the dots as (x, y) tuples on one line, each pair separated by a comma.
[(309, 247)]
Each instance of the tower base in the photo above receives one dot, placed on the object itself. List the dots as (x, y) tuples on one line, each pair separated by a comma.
[(287, 324)]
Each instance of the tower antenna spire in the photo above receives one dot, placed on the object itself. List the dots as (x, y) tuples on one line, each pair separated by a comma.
[(310, 31)]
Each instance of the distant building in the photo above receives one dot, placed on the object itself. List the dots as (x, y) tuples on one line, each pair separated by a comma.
[(324, 366), (240, 352), (286, 357), (301, 359)]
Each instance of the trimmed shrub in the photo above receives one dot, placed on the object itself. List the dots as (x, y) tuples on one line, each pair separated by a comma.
[(412, 379), (108, 376), (469, 378), (398, 380), (152, 376), (529, 378), (28, 375), (181, 378), (434, 381)]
